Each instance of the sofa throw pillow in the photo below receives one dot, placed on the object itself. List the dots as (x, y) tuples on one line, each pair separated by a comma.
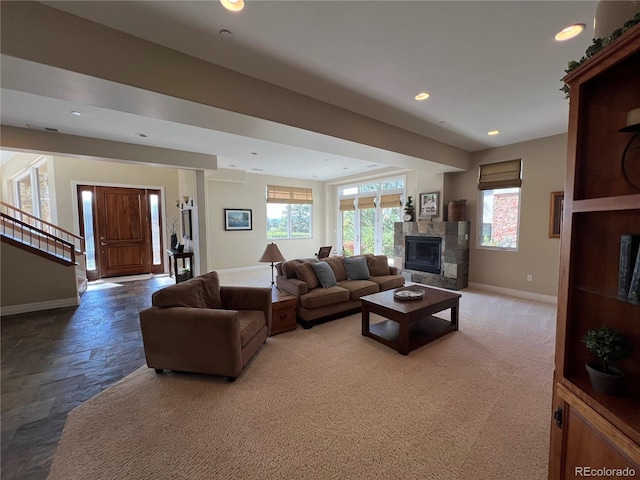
[(324, 273), (305, 273), (356, 268), (337, 265), (378, 265)]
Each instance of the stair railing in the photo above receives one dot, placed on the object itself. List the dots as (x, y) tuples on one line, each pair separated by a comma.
[(21, 233), (42, 226)]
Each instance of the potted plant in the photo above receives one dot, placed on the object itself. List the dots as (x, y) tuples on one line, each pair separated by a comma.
[(610, 346), (409, 210), (172, 228)]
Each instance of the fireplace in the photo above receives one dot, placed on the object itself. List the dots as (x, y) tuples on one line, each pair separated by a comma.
[(423, 254)]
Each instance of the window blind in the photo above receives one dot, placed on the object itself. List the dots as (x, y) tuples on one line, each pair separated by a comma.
[(366, 202), (391, 200), (500, 175), (346, 205), (282, 194)]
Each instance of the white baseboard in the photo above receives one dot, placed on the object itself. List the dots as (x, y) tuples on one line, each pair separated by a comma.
[(515, 293), (35, 307), (244, 269)]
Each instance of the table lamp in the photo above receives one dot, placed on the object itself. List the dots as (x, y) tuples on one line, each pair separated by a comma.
[(271, 254)]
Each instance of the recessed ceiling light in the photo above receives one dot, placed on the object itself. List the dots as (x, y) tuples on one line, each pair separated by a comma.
[(258, 169), (73, 112), (570, 32), (422, 96), (142, 135), (224, 33), (254, 153), (233, 5), (493, 132)]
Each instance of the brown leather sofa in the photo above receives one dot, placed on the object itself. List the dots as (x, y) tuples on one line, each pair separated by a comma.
[(317, 304), (202, 327)]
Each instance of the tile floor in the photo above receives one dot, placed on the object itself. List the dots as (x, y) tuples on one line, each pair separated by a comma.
[(54, 360)]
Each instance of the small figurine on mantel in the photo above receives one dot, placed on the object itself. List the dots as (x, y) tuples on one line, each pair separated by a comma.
[(409, 210)]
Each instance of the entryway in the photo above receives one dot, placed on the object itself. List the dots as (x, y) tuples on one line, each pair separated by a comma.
[(121, 227)]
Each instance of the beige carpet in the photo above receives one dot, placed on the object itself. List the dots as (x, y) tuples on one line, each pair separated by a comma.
[(327, 403)]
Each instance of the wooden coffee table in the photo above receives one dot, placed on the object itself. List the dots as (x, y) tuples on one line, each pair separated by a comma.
[(410, 323)]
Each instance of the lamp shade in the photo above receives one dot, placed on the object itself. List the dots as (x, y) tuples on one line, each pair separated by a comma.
[(271, 254)]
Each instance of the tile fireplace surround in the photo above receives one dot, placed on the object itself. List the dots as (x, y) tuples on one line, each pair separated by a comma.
[(455, 252)]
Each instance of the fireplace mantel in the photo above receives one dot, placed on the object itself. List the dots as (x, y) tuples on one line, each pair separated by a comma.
[(455, 252)]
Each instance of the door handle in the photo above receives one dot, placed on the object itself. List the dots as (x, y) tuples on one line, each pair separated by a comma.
[(103, 243)]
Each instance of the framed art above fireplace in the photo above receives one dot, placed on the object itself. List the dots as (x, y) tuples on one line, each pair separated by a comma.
[(429, 205)]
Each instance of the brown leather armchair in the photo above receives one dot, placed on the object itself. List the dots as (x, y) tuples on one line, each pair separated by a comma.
[(202, 327)]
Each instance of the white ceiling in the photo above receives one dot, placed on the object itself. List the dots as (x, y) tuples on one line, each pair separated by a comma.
[(487, 65)]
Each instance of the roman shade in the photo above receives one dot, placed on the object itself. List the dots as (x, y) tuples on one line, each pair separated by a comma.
[(346, 205), (500, 175), (391, 200), (366, 202), (296, 195)]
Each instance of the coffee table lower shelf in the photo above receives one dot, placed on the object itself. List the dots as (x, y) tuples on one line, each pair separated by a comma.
[(421, 332)]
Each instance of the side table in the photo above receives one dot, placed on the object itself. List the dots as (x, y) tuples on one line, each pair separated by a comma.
[(283, 311), (174, 255)]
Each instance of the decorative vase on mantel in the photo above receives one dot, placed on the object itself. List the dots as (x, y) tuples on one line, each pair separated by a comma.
[(456, 211)]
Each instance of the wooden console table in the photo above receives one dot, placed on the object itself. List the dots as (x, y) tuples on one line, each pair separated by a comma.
[(174, 255)]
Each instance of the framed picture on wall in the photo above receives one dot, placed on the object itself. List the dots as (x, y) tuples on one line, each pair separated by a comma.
[(237, 219), (555, 217), (429, 203)]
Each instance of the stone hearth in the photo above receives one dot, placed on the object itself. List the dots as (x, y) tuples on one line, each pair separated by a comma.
[(455, 252)]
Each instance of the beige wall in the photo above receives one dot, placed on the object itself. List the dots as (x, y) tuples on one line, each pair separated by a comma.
[(71, 171), (26, 278), (543, 172), (231, 249)]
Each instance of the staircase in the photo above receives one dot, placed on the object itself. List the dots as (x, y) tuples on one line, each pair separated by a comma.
[(51, 243)]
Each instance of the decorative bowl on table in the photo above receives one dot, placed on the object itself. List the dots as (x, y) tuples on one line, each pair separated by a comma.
[(408, 293)]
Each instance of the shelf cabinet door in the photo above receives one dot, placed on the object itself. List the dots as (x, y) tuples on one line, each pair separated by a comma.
[(585, 443)]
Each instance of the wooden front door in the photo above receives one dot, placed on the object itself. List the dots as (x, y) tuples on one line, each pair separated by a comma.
[(123, 231)]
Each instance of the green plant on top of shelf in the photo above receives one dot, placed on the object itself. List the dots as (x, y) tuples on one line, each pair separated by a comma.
[(597, 45)]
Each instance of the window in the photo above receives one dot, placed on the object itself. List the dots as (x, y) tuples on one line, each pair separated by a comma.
[(289, 212), (499, 203), (31, 190), (88, 230), (367, 213)]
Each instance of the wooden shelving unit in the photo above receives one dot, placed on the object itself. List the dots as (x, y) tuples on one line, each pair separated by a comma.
[(590, 428)]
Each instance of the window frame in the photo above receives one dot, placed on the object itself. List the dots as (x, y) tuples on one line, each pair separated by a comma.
[(377, 192), (36, 201), (305, 196), (494, 176)]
